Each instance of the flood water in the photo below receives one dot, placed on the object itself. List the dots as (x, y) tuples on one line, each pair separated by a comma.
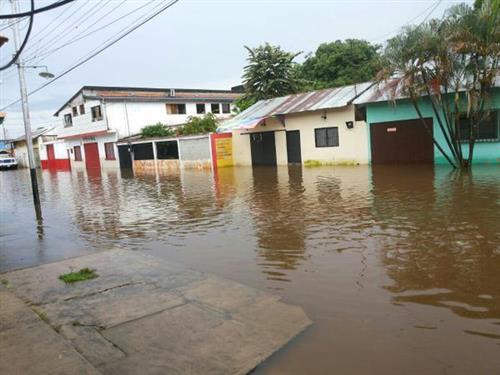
[(398, 267)]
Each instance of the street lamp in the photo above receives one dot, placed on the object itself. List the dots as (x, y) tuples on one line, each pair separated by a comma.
[(45, 74)]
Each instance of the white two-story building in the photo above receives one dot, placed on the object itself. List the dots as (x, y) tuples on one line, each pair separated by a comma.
[(95, 117)]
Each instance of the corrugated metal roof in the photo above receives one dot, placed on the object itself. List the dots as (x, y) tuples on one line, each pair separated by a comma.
[(309, 101), (389, 90), (35, 134), (153, 94)]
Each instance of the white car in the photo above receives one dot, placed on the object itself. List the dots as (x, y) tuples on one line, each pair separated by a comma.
[(7, 162)]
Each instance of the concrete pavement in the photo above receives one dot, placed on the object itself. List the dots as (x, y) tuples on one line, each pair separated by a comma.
[(141, 315)]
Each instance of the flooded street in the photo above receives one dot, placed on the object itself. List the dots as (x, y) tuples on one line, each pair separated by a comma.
[(398, 267)]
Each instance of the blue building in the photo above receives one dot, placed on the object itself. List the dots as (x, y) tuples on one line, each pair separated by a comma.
[(396, 134)]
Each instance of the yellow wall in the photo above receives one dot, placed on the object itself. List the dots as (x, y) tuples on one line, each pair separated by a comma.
[(353, 143)]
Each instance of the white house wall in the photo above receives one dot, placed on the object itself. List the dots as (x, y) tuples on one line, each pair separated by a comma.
[(129, 118), (100, 140), (82, 123), (353, 143), (60, 150)]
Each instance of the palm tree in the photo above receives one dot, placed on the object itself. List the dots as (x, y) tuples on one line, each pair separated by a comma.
[(451, 64), (270, 73)]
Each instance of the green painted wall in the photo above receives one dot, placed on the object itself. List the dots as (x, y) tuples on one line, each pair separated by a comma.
[(484, 152)]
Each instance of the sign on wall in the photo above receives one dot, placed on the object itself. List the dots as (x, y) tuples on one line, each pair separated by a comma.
[(222, 150)]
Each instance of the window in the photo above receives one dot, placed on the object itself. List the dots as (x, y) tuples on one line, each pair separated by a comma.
[(327, 137), (167, 150), (226, 108), (488, 129), (215, 108), (78, 153), (176, 109), (75, 111), (200, 108), (96, 113), (109, 150), (82, 109), (68, 120)]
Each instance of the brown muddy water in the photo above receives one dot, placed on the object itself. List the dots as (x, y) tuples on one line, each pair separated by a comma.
[(399, 268)]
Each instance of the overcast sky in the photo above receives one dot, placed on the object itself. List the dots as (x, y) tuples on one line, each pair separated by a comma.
[(193, 44)]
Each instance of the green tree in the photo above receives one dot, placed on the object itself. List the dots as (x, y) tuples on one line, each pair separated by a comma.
[(452, 63), (157, 130), (340, 63), (199, 125), (270, 73)]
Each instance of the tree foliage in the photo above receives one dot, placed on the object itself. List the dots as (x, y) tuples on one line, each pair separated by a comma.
[(157, 130), (199, 125), (340, 63), (453, 62), (270, 73)]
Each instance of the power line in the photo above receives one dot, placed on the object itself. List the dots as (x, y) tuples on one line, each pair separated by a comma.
[(35, 11), (70, 28), (429, 10), (47, 31), (21, 48), (7, 26), (59, 24), (99, 51), (82, 35)]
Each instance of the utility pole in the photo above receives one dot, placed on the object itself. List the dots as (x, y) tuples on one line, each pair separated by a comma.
[(26, 115)]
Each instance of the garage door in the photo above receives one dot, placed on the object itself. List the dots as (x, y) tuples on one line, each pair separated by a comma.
[(400, 142)]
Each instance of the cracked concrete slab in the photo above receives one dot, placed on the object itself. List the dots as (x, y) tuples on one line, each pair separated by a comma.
[(144, 315), (29, 346)]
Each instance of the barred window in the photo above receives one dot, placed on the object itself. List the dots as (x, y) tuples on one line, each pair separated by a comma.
[(226, 108), (200, 108), (96, 113), (78, 153), (109, 149), (68, 120), (327, 137), (215, 107), (487, 130)]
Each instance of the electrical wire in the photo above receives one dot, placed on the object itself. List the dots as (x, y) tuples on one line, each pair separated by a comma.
[(82, 35), (31, 57), (7, 26), (99, 51), (429, 10), (35, 11), (44, 33), (40, 39), (21, 48), (70, 28)]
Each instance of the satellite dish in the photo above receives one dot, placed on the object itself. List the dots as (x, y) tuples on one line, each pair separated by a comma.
[(47, 75)]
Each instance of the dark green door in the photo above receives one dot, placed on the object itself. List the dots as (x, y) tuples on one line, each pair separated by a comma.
[(263, 148), (293, 146)]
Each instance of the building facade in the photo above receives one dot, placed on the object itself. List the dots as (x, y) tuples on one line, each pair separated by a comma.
[(314, 128), (96, 117), (39, 136), (396, 134)]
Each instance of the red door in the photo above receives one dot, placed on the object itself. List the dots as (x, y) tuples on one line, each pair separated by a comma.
[(51, 156), (91, 156)]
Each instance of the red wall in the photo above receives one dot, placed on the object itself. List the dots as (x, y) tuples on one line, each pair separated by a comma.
[(62, 164)]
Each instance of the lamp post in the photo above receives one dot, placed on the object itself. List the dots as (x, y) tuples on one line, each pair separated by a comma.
[(26, 114)]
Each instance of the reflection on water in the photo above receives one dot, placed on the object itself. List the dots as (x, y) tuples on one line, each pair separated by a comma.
[(399, 267)]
